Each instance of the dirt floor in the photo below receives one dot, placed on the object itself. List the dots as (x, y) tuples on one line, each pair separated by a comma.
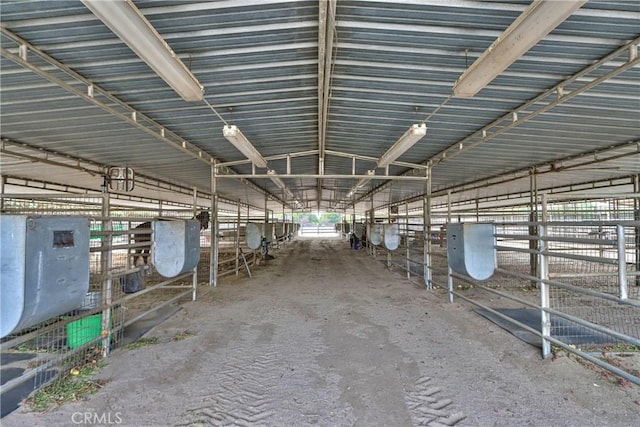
[(323, 335)]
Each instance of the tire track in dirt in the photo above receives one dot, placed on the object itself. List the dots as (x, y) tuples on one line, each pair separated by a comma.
[(241, 393), (426, 408), (342, 364)]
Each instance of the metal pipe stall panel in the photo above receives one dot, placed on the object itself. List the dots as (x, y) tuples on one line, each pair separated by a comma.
[(545, 301)]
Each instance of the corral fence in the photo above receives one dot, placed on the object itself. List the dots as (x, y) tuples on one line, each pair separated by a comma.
[(569, 281), (123, 289), (317, 230)]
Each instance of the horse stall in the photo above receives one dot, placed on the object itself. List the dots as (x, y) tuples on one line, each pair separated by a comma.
[(563, 274), (116, 269)]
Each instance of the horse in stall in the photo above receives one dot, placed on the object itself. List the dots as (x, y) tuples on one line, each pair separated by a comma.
[(144, 236)]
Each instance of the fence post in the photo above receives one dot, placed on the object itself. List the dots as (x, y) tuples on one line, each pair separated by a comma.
[(406, 239), (237, 240), (215, 226), (426, 229), (3, 182), (544, 290), (450, 281), (636, 229), (388, 251), (622, 263), (106, 261)]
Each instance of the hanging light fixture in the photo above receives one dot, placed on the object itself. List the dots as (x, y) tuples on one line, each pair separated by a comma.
[(237, 138), (535, 22), (276, 180), (364, 181), (131, 26), (406, 141)]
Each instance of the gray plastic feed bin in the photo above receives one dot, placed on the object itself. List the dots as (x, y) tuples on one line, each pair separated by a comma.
[(176, 246), (44, 268), (471, 249), (391, 236), (253, 235), (376, 234)]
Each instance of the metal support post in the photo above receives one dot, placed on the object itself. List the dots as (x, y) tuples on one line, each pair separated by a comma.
[(194, 275), (106, 262), (636, 217), (477, 209), (372, 220), (237, 241), (622, 263), (450, 282), (545, 300), (195, 202), (426, 229), (533, 217), (388, 251), (406, 240), (3, 183), (215, 247)]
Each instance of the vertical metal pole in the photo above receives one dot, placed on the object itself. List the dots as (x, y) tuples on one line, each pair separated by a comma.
[(426, 229), (622, 263), (372, 219), (237, 241), (477, 209), (450, 282), (3, 182), (545, 300), (636, 217), (544, 205), (406, 240), (353, 219), (533, 217), (194, 275), (195, 202), (106, 261), (388, 251), (213, 264), (443, 237), (266, 211)]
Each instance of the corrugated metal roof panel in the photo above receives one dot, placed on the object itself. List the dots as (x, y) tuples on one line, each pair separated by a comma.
[(395, 63)]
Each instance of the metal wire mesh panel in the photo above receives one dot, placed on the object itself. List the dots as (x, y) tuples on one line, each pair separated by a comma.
[(52, 350)]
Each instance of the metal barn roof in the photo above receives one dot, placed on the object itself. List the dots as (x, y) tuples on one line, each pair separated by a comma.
[(322, 89)]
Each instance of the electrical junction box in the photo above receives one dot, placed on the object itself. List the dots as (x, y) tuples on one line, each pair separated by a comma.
[(176, 246), (471, 249), (44, 268)]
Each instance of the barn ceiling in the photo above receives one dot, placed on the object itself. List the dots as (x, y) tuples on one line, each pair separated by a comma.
[(321, 89)]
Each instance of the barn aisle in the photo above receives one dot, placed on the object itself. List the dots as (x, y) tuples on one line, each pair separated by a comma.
[(324, 335)]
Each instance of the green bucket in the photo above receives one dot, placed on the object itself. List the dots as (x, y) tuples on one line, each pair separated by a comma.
[(81, 331)]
